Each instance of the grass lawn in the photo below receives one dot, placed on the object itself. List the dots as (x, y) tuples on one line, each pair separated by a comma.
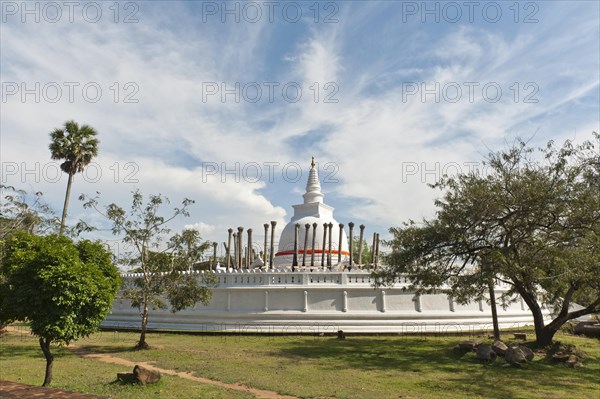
[(21, 360), (358, 367)]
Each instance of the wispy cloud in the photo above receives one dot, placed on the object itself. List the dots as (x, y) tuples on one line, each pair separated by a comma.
[(375, 134)]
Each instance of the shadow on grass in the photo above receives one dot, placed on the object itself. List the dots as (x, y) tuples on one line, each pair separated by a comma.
[(134, 383), (434, 357), (376, 354), (109, 349), (21, 351)]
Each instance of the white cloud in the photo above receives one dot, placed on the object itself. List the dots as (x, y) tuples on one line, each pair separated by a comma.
[(374, 134)]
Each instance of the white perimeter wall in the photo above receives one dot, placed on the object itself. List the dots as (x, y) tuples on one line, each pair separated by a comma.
[(312, 302)]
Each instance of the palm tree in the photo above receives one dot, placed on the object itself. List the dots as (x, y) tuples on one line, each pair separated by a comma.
[(77, 145)]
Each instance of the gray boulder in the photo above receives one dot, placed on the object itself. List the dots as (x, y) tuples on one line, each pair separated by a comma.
[(591, 330), (499, 347), (580, 327), (527, 352), (146, 376), (515, 356), (560, 356), (486, 353), (469, 345), (573, 361)]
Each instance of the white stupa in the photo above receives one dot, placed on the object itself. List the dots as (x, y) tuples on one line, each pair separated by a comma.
[(309, 300), (312, 211)]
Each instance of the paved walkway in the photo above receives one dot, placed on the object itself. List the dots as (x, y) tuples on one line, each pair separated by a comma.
[(13, 390)]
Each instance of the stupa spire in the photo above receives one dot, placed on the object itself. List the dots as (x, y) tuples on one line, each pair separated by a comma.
[(313, 186)]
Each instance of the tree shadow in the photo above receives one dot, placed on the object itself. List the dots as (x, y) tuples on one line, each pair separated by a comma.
[(375, 354), (108, 349), (432, 356)]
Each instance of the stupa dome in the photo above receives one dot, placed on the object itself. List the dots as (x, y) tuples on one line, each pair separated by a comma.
[(312, 211)]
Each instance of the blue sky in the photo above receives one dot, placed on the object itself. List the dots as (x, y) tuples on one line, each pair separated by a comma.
[(404, 94)]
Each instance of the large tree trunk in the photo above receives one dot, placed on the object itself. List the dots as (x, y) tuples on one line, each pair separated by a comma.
[(63, 219), (45, 345), (545, 336), (542, 335), (142, 342), (494, 311)]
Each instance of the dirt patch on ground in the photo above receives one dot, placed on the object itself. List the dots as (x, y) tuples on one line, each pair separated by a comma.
[(259, 393), (14, 390)]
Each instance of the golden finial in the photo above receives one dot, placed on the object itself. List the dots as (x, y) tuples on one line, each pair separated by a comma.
[(312, 163)]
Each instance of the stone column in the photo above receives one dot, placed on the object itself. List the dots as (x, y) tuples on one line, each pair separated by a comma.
[(228, 255), (377, 252), (312, 247), (373, 250), (325, 226), (305, 307), (307, 230), (241, 247), (249, 256), (340, 242), (273, 224), (235, 251), (265, 263), (330, 232), (266, 301), (350, 244), (215, 256), (296, 235), (360, 245)]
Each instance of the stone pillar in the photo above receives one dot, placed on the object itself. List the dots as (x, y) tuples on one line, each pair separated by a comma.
[(307, 230), (373, 250), (325, 226), (273, 224), (377, 252), (312, 247), (330, 232), (296, 236), (214, 266), (350, 244), (241, 247), (417, 300), (265, 263), (305, 307), (340, 242), (228, 255), (266, 301), (235, 251), (360, 244), (249, 256)]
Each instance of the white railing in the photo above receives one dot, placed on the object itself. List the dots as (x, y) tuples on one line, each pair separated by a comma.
[(258, 277), (286, 277)]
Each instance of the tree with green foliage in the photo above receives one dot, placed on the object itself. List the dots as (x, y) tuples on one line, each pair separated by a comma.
[(152, 255), (63, 289), (77, 145), (20, 211), (187, 249), (533, 224), (366, 252), (23, 212)]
